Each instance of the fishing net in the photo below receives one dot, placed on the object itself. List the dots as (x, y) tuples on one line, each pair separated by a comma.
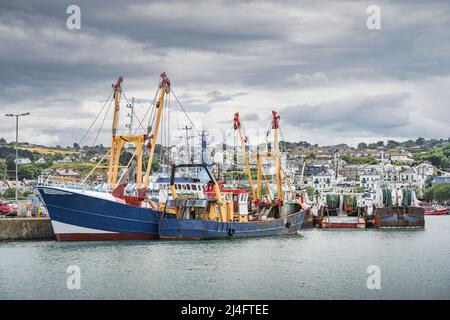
[(332, 201), (407, 197), (387, 197)]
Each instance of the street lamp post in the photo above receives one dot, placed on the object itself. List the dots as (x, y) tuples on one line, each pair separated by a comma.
[(17, 148)]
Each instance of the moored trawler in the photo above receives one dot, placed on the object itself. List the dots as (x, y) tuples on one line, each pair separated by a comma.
[(340, 210), (223, 214), (397, 207), (81, 215), (114, 214)]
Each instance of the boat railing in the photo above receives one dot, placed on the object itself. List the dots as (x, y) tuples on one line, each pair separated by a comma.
[(66, 182)]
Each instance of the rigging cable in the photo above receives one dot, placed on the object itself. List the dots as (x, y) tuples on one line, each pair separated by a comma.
[(183, 109), (93, 122), (103, 122)]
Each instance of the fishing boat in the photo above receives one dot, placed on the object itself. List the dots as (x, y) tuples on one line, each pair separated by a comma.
[(436, 210), (117, 214), (397, 207), (224, 213), (340, 210)]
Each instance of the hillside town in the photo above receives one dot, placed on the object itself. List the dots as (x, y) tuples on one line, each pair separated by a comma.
[(420, 163)]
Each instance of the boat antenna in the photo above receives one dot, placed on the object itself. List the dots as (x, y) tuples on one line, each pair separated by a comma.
[(203, 136)]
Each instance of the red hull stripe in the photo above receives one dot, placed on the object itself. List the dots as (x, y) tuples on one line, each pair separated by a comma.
[(182, 238), (436, 213), (105, 236), (341, 225)]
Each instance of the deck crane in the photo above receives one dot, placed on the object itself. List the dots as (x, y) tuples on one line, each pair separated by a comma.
[(244, 140), (164, 88), (275, 127), (278, 168), (118, 141)]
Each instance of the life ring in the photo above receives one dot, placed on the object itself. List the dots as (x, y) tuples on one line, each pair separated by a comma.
[(288, 224), (231, 232)]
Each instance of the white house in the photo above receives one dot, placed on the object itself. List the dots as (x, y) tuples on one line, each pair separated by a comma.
[(408, 175), (391, 173), (22, 161), (426, 169), (401, 156), (369, 179), (40, 161), (425, 174), (65, 160), (325, 180)]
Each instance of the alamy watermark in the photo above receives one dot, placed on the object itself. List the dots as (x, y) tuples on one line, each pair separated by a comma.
[(74, 279), (73, 21), (373, 22), (374, 279)]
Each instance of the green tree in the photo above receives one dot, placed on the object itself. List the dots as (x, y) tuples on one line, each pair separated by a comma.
[(409, 144), (360, 160), (310, 191), (3, 170), (29, 171), (420, 141), (438, 192), (392, 144), (9, 193), (362, 145)]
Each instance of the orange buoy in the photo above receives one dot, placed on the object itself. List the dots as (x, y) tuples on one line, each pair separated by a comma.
[(374, 221)]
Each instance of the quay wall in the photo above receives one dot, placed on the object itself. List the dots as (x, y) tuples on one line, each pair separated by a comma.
[(25, 229)]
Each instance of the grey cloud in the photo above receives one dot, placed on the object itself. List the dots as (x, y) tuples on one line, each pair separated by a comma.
[(253, 46), (217, 96), (376, 114), (196, 107), (251, 117)]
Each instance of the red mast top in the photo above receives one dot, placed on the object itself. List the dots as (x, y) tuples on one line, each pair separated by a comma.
[(117, 85), (237, 121), (276, 120), (164, 79)]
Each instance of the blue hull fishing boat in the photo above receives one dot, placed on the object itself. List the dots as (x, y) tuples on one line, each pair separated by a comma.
[(120, 213), (227, 213), (223, 214), (172, 228), (78, 215)]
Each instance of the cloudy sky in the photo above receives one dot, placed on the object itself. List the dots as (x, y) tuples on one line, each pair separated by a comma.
[(331, 78)]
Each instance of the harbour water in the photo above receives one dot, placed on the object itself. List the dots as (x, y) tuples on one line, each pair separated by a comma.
[(326, 264)]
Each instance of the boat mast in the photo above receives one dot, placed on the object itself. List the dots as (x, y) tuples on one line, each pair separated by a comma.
[(238, 127), (112, 170), (275, 127), (258, 174), (164, 86)]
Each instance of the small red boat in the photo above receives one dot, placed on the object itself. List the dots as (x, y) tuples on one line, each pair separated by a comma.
[(436, 211)]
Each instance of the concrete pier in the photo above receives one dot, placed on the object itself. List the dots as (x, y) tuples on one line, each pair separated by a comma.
[(25, 229)]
